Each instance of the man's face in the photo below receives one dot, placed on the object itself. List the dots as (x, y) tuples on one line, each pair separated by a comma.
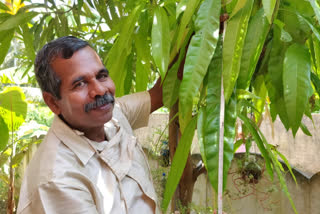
[(83, 79)]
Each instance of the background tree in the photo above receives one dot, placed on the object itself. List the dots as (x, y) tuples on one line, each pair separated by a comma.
[(268, 60)]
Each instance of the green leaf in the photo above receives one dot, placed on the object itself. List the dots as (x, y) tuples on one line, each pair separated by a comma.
[(199, 54), (171, 87), (13, 107), (17, 20), (316, 82), (309, 23), (5, 42), (28, 42), (233, 45), (202, 117), (278, 167), (4, 134), (305, 129), (186, 18), (274, 77), (252, 128), (316, 8), (237, 145), (120, 50), (268, 6), (161, 40), (258, 29), (181, 7), (261, 91), (296, 81), (4, 7), (179, 162), (142, 74), (211, 122)]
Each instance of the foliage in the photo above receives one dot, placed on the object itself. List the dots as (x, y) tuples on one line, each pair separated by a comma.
[(270, 60)]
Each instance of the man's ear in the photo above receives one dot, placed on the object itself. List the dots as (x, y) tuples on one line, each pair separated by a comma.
[(52, 102)]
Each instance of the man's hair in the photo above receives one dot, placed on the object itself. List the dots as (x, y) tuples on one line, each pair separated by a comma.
[(63, 47)]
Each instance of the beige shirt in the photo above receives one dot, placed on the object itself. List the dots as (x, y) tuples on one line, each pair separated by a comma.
[(71, 174)]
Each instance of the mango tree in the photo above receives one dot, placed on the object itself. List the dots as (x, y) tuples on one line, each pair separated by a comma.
[(262, 55)]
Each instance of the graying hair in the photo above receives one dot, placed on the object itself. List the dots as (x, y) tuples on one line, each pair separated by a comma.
[(63, 47)]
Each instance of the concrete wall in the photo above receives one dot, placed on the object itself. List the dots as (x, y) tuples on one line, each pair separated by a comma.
[(265, 196)]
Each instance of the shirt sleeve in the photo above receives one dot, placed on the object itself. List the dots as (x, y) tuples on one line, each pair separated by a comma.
[(60, 198), (136, 107)]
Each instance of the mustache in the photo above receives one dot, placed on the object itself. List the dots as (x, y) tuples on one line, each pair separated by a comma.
[(100, 101)]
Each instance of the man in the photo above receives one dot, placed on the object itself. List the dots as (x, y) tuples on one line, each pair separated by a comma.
[(89, 162)]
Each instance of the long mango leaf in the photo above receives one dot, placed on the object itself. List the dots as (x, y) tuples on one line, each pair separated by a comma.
[(316, 8), (4, 7), (15, 20), (277, 168), (160, 39), (211, 122), (171, 87), (261, 91), (285, 160), (309, 23), (187, 15), (120, 51), (252, 128), (179, 162), (258, 29), (268, 6), (4, 134), (296, 83), (5, 42), (200, 52), (274, 77), (233, 45), (202, 117), (28, 42)]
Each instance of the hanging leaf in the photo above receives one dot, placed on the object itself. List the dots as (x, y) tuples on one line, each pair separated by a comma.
[(13, 108), (17, 20), (252, 128), (200, 52), (142, 74), (129, 75), (316, 8), (274, 79), (171, 87), (305, 129), (4, 7), (258, 29), (120, 51), (261, 91), (4, 134), (277, 167), (233, 45), (268, 6), (211, 122), (316, 82), (161, 40), (5, 42), (178, 163), (186, 18), (296, 81), (28, 42), (202, 118)]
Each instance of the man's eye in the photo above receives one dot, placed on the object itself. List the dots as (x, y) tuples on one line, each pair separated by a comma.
[(79, 84), (102, 76)]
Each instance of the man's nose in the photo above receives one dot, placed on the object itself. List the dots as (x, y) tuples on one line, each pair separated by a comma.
[(97, 89)]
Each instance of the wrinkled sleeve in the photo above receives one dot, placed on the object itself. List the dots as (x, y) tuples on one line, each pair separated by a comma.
[(136, 107), (58, 198)]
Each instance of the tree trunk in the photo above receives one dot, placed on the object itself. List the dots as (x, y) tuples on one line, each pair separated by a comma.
[(184, 191)]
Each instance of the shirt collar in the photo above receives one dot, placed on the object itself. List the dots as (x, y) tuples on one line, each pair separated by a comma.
[(72, 139)]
